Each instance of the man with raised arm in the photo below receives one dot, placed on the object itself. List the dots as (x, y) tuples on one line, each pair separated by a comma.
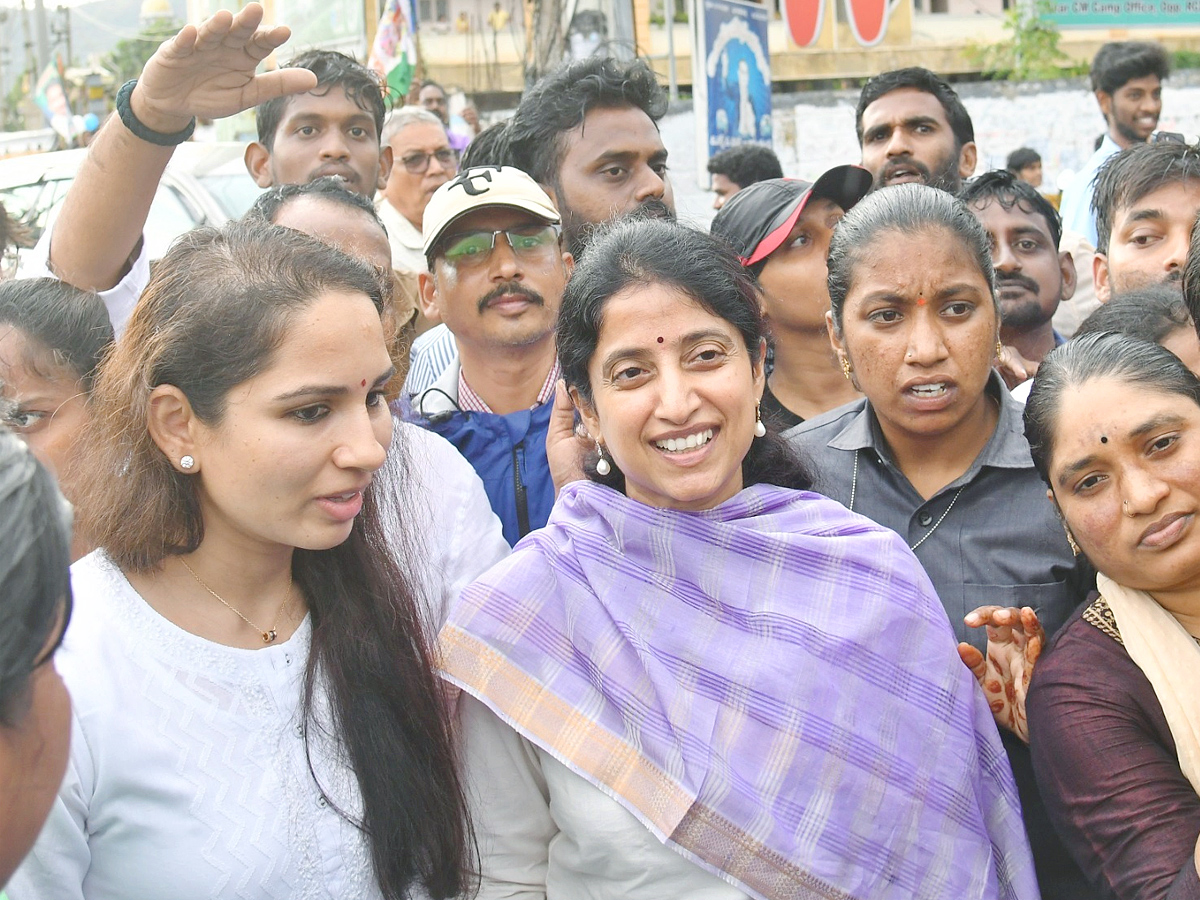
[(321, 116)]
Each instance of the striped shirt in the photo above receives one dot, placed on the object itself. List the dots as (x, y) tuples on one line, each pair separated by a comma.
[(470, 401), (430, 356)]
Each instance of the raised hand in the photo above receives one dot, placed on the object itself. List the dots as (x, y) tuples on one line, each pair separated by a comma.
[(209, 71), (565, 449), (1015, 639)]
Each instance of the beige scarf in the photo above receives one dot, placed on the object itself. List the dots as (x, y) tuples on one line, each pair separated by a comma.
[(1170, 659)]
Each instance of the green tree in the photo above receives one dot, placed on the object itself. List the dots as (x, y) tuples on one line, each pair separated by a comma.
[(1030, 51), (127, 59)]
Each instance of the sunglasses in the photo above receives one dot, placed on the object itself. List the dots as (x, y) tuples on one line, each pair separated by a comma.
[(472, 248), (418, 163)]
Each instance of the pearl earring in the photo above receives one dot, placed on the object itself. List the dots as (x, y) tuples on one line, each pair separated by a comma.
[(760, 430), (602, 466)]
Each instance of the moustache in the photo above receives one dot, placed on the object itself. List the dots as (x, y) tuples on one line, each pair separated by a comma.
[(1016, 278), (904, 162), (509, 289), (653, 208)]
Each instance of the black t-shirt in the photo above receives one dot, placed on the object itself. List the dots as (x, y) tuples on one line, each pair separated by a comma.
[(775, 413)]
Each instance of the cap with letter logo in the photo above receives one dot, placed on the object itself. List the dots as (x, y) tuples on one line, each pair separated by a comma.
[(480, 187)]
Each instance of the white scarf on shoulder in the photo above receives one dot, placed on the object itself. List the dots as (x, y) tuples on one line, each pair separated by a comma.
[(1170, 659)]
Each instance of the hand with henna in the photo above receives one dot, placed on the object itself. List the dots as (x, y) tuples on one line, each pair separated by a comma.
[(1015, 639)]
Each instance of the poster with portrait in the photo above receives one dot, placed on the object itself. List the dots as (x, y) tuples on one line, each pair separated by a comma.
[(731, 78)]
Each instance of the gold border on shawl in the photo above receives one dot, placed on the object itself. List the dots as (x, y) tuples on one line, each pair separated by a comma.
[(582, 745)]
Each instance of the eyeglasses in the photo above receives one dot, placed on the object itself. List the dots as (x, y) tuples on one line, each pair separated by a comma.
[(418, 163), (473, 248)]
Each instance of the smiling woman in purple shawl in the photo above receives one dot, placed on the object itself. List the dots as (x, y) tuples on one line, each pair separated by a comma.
[(700, 680)]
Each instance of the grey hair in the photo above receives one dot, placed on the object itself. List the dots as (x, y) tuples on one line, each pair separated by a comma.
[(903, 209), (399, 119)]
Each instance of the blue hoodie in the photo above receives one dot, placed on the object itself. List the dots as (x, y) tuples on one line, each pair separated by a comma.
[(508, 452)]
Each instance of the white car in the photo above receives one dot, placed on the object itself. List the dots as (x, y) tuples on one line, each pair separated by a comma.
[(205, 184)]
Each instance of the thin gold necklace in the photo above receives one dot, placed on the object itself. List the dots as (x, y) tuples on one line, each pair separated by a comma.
[(269, 635), (854, 491)]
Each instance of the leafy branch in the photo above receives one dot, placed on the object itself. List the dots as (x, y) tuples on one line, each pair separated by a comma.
[(1030, 51)]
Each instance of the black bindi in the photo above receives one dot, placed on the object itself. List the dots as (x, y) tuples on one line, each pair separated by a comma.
[(660, 340), (1103, 439)]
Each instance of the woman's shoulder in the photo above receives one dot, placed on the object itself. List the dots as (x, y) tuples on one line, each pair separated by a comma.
[(818, 430), (1087, 658), (98, 588)]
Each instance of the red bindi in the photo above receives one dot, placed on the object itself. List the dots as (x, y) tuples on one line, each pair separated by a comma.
[(920, 301), (364, 382), (660, 340)]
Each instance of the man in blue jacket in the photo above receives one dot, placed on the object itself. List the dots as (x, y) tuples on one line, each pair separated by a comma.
[(497, 269)]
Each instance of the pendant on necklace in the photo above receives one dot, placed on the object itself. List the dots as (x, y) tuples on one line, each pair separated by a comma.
[(269, 636)]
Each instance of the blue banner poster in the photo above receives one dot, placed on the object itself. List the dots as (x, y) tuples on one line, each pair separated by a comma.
[(732, 93)]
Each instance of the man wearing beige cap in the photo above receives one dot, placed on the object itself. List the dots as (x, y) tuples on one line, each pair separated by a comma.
[(497, 269)]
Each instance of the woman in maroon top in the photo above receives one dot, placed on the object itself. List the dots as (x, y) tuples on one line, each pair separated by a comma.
[(1114, 706)]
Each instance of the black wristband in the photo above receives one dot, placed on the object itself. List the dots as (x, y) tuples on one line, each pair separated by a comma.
[(125, 111)]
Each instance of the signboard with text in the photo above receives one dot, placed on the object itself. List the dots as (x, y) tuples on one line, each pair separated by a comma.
[(1123, 13)]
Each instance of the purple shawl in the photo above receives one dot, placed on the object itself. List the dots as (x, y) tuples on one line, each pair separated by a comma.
[(771, 686)]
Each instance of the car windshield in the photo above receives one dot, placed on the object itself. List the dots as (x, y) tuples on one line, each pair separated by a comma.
[(169, 217), (235, 192), (182, 201)]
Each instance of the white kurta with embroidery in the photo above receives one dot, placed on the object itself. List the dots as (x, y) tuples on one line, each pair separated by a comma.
[(187, 777)]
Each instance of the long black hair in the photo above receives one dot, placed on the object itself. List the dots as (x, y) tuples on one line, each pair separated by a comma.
[(652, 251), (213, 316)]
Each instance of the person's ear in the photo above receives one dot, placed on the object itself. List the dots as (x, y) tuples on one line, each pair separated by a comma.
[(258, 164), (968, 157), (1070, 278), (759, 370), (839, 349), (590, 420), (1105, 100), (568, 263), (1102, 277), (428, 297), (173, 425), (386, 159)]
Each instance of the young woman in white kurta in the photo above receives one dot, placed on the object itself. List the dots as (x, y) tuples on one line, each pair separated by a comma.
[(255, 710)]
